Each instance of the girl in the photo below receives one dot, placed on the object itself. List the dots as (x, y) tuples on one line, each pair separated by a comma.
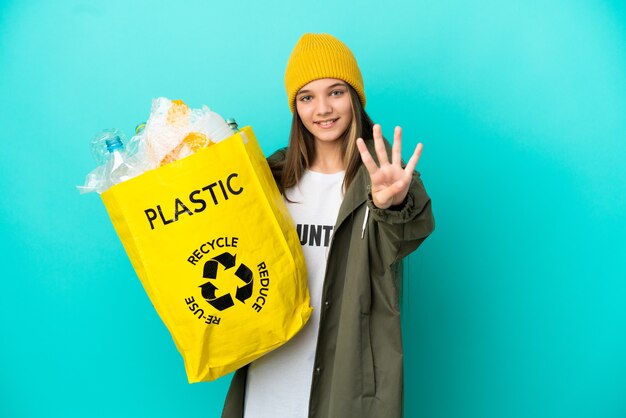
[(358, 212)]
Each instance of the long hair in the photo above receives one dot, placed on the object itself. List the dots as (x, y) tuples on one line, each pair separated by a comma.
[(301, 149)]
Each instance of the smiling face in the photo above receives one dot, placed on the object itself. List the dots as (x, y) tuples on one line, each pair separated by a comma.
[(325, 108)]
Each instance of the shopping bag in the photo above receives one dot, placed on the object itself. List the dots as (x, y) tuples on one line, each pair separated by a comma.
[(217, 253)]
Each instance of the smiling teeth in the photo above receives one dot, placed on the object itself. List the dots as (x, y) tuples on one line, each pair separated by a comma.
[(326, 123)]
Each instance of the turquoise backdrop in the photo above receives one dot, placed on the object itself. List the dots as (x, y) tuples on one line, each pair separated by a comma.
[(514, 307)]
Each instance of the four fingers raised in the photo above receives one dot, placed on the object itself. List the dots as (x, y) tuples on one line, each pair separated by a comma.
[(366, 157), (389, 181), (379, 146), (396, 150), (381, 152)]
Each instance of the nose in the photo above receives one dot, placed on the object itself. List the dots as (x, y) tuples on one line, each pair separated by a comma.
[(323, 106)]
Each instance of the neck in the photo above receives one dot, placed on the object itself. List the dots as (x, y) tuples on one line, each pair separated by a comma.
[(328, 157)]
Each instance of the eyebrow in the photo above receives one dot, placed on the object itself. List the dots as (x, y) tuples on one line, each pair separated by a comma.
[(328, 88)]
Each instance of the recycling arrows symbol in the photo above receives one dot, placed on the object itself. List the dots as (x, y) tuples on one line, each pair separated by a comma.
[(228, 261)]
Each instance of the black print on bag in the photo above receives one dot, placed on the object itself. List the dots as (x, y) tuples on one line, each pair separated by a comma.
[(314, 235), (226, 284), (199, 312), (198, 200), (211, 268)]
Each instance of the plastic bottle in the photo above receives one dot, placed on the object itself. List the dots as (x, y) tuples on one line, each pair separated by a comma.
[(114, 163), (140, 128), (232, 124), (234, 127), (117, 169)]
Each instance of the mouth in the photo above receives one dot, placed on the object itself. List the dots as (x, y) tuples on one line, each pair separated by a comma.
[(326, 123)]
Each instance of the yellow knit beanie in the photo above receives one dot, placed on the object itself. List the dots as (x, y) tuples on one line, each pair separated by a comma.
[(318, 56)]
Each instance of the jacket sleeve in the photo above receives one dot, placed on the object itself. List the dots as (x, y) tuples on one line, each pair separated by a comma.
[(234, 402), (275, 161), (402, 230)]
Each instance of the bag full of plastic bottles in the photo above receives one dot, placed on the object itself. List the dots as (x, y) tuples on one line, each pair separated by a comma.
[(195, 205)]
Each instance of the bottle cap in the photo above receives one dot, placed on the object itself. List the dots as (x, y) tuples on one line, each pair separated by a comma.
[(140, 128), (114, 143), (232, 123)]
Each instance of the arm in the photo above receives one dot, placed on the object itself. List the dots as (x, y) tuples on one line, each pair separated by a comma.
[(398, 201), (402, 229)]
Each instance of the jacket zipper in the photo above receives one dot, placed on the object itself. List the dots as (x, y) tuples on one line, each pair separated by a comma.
[(324, 300), (316, 367), (367, 213)]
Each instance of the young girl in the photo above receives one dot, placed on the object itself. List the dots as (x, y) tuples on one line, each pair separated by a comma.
[(358, 212)]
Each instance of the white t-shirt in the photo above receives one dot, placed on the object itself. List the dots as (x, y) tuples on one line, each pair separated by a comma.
[(279, 383)]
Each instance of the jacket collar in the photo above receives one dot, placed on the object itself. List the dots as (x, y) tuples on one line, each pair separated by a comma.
[(358, 190), (354, 197), (357, 194)]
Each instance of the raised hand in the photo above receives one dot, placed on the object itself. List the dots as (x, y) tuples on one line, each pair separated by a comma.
[(390, 182)]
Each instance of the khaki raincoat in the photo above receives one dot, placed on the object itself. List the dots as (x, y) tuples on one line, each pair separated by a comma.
[(358, 368)]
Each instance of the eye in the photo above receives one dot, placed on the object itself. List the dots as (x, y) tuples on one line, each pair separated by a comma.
[(337, 92), (305, 98)]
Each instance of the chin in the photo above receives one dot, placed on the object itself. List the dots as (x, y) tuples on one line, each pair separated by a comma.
[(328, 138)]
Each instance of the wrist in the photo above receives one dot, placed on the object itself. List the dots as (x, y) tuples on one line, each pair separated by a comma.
[(396, 207), (399, 206)]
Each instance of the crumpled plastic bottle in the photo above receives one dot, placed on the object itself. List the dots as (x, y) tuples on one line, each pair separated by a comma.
[(114, 164), (117, 169)]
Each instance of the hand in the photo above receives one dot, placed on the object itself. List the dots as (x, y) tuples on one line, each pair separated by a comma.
[(390, 182)]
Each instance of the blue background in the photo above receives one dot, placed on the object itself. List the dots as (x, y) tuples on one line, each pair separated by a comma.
[(515, 306)]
